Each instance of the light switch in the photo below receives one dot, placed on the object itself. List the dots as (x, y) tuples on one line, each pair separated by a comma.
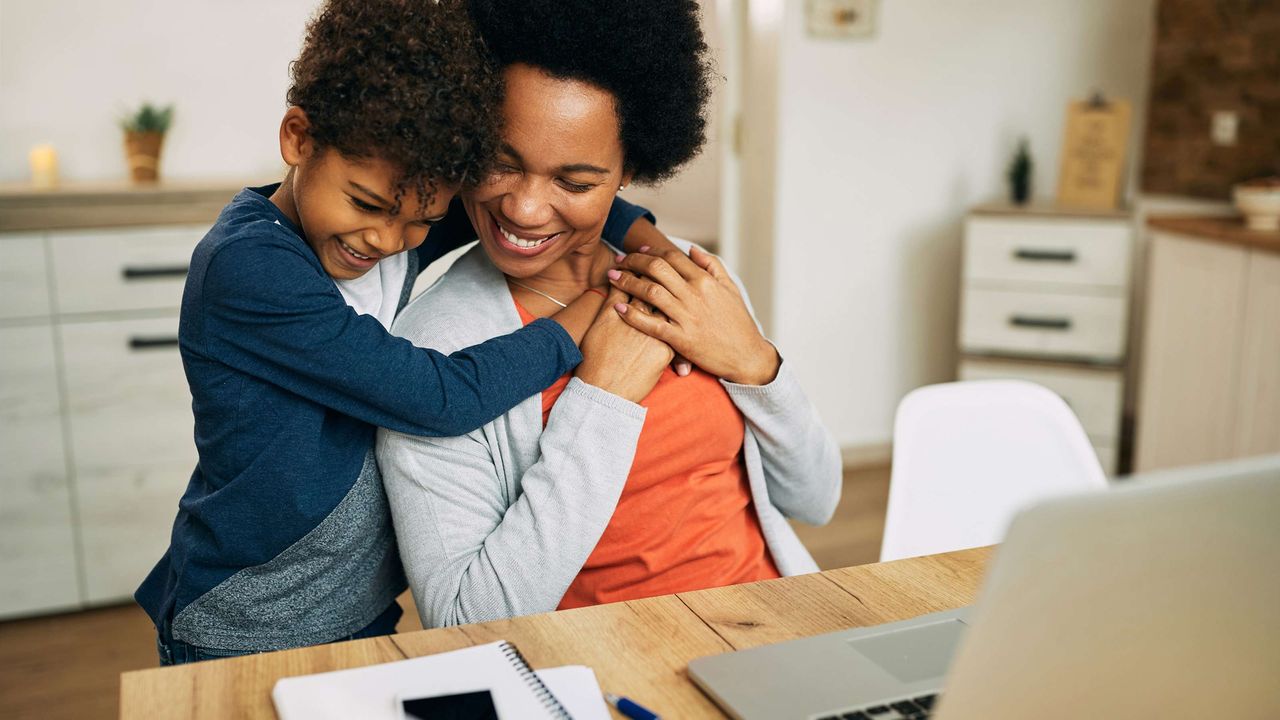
[(841, 18), (1224, 127)]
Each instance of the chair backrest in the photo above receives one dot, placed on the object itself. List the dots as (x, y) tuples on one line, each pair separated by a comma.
[(968, 455)]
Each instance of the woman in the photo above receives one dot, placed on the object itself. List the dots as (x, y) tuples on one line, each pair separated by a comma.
[(625, 480)]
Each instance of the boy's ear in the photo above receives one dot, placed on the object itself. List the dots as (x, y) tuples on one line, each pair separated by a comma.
[(295, 137)]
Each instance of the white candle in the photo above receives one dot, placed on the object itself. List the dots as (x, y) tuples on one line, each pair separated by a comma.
[(44, 166)]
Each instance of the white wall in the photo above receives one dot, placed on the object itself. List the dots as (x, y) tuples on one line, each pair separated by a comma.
[(69, 68), (882, 145)]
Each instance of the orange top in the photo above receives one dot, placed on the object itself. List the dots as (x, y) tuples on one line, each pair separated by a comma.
[(685, 520)]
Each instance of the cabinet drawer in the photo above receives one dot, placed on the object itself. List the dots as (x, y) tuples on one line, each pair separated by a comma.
[(37, 547), (131, 442), (1075, 252), (126, 269), (1059, 325), (1094, 395), (24, 285)]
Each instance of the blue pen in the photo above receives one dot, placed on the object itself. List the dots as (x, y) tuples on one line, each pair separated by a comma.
[(630, 708)]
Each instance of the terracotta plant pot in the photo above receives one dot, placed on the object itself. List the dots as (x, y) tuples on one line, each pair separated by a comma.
[(142, 151)]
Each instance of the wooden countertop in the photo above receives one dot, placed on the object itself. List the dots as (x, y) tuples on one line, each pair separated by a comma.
[(639, 648), (1047, 208), (110, 204), (1228, 229)]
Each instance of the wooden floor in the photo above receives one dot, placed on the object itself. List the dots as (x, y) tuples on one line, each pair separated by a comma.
[(68, 666)]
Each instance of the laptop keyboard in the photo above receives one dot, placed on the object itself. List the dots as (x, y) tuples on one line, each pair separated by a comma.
[(905, 709)]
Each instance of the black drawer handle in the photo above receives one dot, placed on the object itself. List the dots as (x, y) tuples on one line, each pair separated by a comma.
[(152, 343), (154, 273), (1063, 256), (1043, 323)]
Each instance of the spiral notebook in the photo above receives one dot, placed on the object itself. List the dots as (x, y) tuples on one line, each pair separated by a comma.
[(374, 692)]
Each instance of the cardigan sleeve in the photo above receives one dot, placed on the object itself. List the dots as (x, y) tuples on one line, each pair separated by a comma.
[(802, 465), (801, 461), (472, 553)]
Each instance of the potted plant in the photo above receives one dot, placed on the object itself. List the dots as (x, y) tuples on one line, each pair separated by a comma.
[(1020, 175), (143, 137)]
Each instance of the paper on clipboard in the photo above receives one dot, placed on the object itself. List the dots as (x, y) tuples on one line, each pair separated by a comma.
[(1094, 150)]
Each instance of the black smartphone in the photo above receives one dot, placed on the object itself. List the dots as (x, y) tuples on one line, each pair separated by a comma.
[(476, 705)]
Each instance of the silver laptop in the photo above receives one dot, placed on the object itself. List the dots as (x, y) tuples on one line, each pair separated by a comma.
[(1160, 598)]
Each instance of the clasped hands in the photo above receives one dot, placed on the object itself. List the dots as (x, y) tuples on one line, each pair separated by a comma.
[(665, 303)]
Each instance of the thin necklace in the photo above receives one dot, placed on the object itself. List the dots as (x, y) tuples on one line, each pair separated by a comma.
[(536, 290)]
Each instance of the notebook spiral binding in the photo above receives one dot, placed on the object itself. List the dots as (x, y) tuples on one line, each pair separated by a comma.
[(544, 695)]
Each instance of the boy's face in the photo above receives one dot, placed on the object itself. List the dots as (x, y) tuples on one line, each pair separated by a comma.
[(343, 207)]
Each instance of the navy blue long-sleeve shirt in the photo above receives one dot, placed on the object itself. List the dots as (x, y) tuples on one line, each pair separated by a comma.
[(289, 383)]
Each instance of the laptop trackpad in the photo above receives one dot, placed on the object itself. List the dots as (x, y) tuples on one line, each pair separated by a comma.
[(913, 654)]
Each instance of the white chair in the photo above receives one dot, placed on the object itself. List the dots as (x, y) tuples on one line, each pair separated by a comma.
[(968, 455)]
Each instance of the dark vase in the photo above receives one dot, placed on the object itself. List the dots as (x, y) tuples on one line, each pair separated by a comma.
[(1020, 190)]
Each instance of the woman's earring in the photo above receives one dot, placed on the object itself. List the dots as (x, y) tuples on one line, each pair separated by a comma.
[(621, 188)]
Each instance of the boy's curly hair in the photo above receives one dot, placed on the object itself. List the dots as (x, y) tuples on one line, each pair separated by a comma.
[(406, 81), (649, 54)]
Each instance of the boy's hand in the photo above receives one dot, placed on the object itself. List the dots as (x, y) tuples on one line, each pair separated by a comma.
[(577, 318), (618, 358)]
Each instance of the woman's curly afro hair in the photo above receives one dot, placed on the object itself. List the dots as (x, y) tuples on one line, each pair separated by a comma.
[(649, 54), (406, 81)]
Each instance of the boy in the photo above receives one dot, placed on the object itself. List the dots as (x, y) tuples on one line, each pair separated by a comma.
[(283, 537)]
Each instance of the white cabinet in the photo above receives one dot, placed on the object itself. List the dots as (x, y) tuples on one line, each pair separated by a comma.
[(24, 282), (1258, 389), (1069, 251), (1042, 324), (37, 549), (1210, 383), (133, 269), (1045, 298), (95, 422), (131, 445)]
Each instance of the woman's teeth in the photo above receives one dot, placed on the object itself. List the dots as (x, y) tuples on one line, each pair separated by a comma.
[(521, 242), (353, 252)]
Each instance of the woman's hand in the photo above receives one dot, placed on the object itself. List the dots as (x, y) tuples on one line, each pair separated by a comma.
[(618, 358), (706, 318)]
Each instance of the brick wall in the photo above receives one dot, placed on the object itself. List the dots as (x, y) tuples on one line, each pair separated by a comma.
[(1212, 55)]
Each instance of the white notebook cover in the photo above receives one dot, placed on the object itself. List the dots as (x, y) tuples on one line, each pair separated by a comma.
[(372, 692)]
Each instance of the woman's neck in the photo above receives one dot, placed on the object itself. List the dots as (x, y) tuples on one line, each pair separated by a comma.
[(569, 277)]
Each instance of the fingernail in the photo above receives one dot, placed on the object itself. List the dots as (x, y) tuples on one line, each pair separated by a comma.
[(614, 274), (644, 248), (620, 258), (682, 369), (621, 308)]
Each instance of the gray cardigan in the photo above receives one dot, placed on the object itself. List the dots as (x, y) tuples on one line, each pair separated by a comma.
[(498, 522)]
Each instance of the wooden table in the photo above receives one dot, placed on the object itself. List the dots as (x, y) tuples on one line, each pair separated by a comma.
[(638, 648)]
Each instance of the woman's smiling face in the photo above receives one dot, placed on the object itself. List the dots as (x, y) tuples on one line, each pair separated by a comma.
[(557, 171)]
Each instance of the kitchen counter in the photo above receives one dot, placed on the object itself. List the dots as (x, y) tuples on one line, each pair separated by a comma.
[(1229, 229), (113, 204)]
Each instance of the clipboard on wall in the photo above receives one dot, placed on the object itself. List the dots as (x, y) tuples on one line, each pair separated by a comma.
[(1094, 149)]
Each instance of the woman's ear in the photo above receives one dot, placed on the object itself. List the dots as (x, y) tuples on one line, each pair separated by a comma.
[(295, 137), (626, 179)]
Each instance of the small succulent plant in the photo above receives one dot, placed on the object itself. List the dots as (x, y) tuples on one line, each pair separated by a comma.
[(148, 118)]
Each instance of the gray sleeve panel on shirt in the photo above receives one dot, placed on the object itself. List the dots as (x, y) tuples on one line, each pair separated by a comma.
[(478, 545), (801, 461)]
